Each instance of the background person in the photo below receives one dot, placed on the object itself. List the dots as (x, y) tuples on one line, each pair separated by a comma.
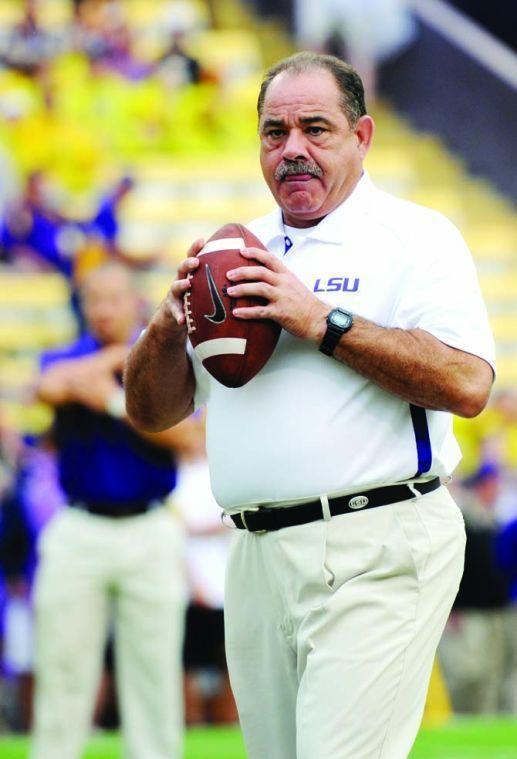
[(208, 697), (364, 32), (15, 550), (115, 549), (334, 608), (477, 623), (507, 559), (26, 47), (33, 499)]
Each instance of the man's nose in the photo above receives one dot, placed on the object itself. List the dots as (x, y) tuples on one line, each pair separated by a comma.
[(295, 146)]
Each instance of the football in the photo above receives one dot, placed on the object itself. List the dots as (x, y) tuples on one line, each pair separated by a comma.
[(232, 350)]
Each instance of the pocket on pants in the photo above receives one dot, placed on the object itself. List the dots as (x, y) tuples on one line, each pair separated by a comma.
[(358, 544), (328, 575), (435, 530), (440, 505), (417, 535)]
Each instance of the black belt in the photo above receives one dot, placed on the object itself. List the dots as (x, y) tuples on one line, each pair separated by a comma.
[(114, 510), (266, 519)]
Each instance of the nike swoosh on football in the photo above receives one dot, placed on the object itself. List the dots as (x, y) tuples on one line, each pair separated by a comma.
[(219, 314)]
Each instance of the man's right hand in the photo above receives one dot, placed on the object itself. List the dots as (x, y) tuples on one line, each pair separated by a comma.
[(173, 303), (159, 378)]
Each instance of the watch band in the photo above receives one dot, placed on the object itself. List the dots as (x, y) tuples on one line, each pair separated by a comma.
[(335, 330)]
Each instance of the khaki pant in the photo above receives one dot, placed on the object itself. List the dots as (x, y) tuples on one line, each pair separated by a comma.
[(88, 565), (332, 628)]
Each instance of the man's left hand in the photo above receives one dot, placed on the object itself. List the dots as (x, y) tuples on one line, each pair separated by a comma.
[(289, 302)]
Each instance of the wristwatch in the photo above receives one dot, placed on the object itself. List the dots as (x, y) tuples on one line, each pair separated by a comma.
[(339, 322)]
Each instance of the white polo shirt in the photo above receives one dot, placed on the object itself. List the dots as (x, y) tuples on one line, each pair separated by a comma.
[(308, 425)]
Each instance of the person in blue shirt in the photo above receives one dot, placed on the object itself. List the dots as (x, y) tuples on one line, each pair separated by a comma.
[(105, 221), (115, 555), (33, 234)]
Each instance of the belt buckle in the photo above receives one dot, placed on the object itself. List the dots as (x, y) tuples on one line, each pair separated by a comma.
[(255, 532)]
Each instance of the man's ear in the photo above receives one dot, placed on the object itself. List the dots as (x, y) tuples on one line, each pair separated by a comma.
[(364, 130)]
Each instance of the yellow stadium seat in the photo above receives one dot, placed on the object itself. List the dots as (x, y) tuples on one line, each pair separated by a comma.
[(438, 707), (141, 13), (203, 209), (497, 241), (10, 13), (504, 326), (34, 418), (33, 290), (500, 287), (473, 435), (231, 53), (34, 335), (17, 372), (507, 375), (444, 199)]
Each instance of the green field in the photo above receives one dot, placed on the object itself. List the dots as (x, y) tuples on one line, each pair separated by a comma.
[(461, 739)]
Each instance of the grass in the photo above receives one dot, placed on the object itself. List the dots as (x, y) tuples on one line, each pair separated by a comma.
[(472, 738), (468, 738)]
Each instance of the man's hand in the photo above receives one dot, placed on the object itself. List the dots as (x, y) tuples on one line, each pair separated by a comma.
[(111, 358), (409, 363), (289, 302), (173, 303), (159, 379)]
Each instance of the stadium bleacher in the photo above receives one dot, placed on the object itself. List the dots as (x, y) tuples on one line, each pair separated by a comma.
[(193, 155), (192, 151)]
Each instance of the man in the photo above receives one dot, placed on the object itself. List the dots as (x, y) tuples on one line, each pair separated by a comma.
[(208, 696), (116, 548), (479, 610), (338, 591)]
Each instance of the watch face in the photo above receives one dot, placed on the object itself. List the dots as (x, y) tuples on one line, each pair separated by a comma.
[(341, 319)]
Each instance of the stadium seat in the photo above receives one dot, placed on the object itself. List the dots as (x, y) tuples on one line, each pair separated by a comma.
[(196, 169)]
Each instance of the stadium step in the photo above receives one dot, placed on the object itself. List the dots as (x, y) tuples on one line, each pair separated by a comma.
[(180, 196)]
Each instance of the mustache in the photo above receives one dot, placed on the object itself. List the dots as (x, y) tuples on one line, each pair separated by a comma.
[(286, 169)]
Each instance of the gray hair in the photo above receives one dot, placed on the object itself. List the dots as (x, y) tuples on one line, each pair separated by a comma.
[(346, 77)]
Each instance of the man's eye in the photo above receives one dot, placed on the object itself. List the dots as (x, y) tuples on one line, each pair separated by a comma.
[(275, 134), (315, 130)]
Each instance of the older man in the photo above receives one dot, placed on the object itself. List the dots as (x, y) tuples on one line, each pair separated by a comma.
[(349, 550), (116, 552)]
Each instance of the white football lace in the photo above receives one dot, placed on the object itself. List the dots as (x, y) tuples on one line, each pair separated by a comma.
[(188, 313)]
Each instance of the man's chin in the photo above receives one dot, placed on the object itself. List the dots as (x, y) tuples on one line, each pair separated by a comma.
[(105, 336), (302, 219), (303, 208)]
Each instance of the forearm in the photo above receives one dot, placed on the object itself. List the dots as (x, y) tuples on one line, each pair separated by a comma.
[(159, 379), (417, 367), (54, 386), (110, 358), (65, 380), (186, 439), (411, 364)]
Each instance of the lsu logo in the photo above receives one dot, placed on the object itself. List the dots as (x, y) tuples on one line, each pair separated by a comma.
[(337, 285)]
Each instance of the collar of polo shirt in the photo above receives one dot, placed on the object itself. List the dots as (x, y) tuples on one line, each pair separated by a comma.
[(330, 229)]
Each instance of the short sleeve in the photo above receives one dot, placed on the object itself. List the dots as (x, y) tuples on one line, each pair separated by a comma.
[(202, 389), (441, 293), (83, 346)]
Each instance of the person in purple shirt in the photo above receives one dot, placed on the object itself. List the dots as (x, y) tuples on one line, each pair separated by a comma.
[(115, 554), (32, 233), (105, 221)]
